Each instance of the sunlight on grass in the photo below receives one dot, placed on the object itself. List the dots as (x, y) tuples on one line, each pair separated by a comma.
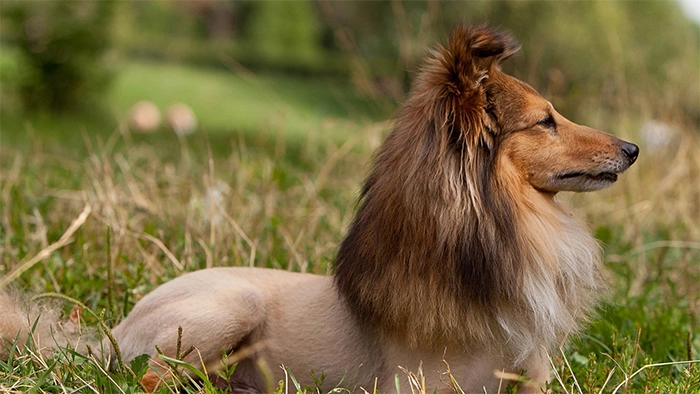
[(228, 101)]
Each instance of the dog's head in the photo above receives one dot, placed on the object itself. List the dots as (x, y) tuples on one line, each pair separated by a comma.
[(549, 151), (489, 113)]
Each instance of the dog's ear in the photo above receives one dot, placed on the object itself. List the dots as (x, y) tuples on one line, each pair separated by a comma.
[(472, 51), (487, 43), (451, 85)]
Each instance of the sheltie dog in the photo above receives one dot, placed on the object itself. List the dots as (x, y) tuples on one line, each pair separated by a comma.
[(460, 257)]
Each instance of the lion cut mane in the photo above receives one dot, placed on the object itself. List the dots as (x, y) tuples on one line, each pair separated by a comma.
[(447, 246), (459, 259)]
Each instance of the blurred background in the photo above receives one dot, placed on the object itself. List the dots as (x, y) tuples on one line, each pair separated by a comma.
[(237, 65)]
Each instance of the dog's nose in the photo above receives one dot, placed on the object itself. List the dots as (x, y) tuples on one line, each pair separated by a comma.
[(631, 151)]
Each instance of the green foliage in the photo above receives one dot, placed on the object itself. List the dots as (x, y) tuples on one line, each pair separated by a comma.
[(583, 56), (280, 36), (603, 54), (285, 33), (595, 54), (62, 45)]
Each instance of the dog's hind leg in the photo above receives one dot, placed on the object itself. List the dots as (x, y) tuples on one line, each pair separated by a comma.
[(216, 317)]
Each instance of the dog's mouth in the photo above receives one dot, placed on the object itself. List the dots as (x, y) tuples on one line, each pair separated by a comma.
[(604, 177)]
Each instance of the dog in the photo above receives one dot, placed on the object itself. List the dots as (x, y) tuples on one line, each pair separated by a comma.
[(459, 259)]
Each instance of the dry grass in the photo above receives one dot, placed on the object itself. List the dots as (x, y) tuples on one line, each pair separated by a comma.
[(655, 214), (152, 218), (154, 214), (192, 212)]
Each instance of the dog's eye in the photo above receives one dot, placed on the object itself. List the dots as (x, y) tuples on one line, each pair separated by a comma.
[(548, 122)]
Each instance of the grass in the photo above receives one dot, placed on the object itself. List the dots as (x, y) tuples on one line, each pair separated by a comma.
[(257, 190), (222, 98), (263, 110)]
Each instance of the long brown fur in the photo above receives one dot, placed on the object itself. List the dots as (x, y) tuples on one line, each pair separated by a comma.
[(459, 251), (442, 220)]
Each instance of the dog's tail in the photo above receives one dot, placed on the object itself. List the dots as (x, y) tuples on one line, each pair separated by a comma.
[(26, 324)]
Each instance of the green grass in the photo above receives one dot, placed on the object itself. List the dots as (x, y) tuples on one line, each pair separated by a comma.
[(222, 98), (286, 196), (266, 111)]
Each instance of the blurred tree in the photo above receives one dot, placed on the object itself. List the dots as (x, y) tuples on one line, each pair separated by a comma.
[(218, 16), (286, 33), (62, 45), (581, 55)]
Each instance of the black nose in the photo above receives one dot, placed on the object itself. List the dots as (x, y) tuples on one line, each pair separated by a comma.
[(631, 151)]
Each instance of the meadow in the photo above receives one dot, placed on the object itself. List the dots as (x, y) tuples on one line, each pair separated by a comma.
[(92, 211)]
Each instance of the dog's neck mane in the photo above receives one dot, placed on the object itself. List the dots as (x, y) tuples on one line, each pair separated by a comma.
[(425, 267), (450, 247)]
